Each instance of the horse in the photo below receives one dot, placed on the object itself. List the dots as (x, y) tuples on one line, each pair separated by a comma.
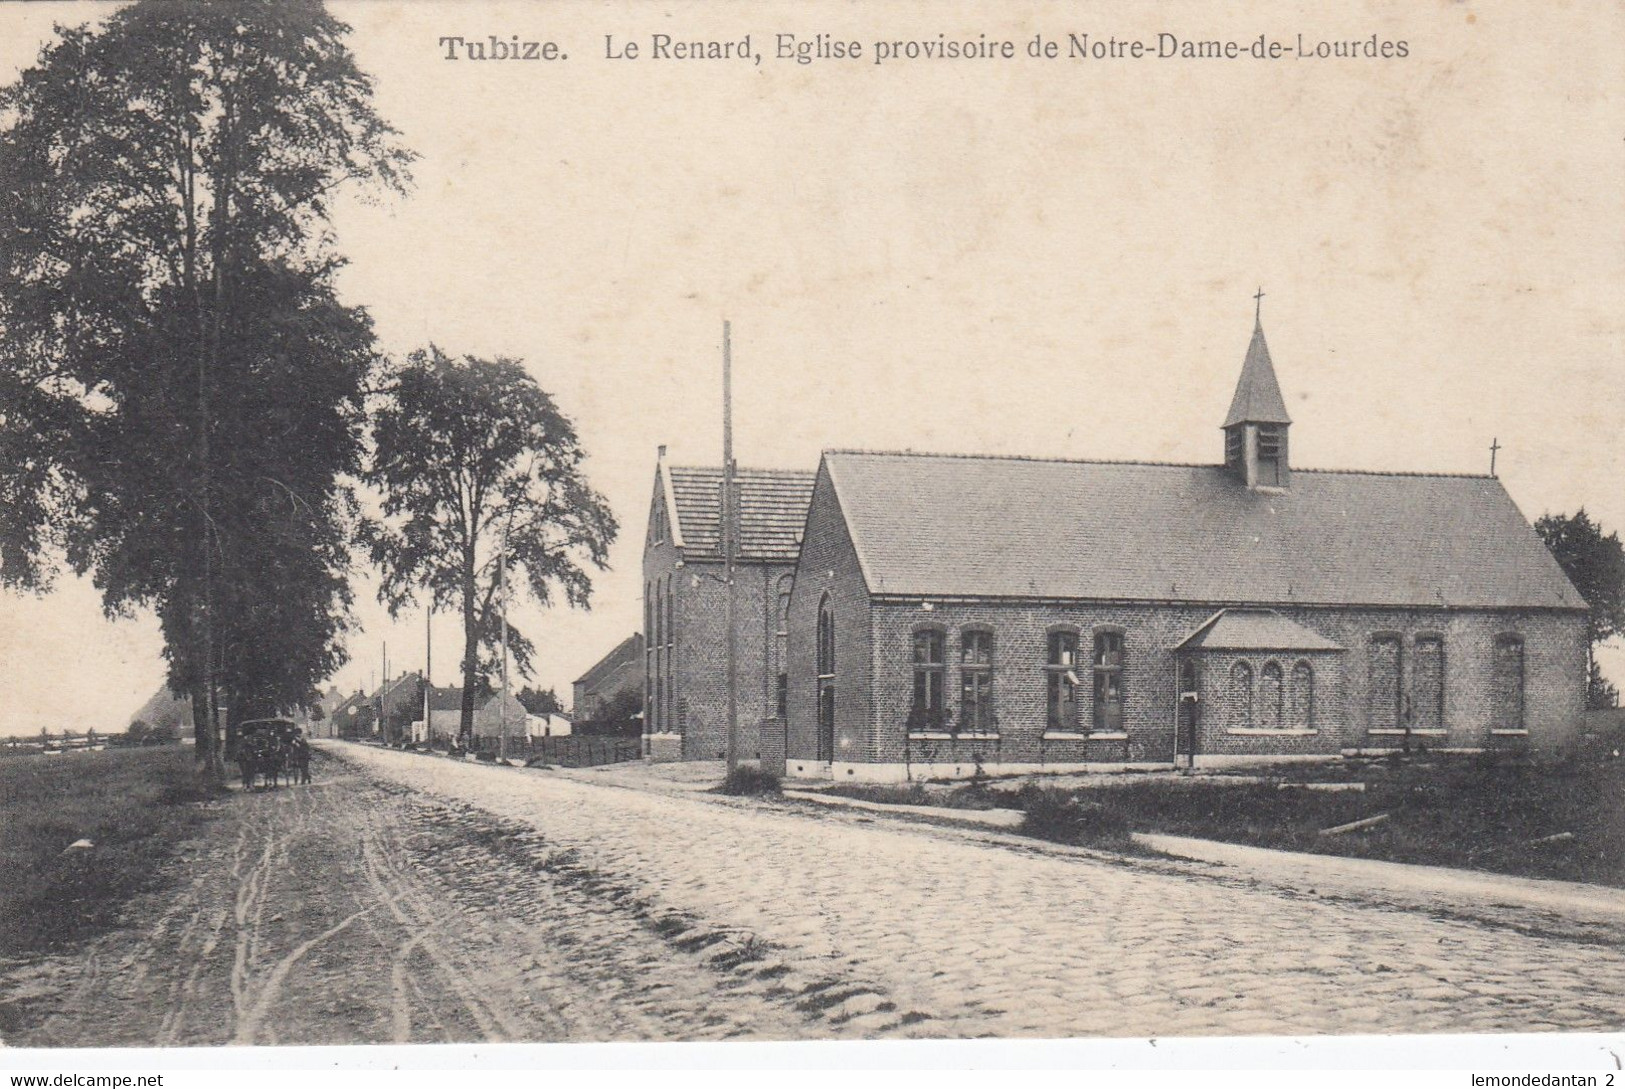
[(263, 758), (274, 760)]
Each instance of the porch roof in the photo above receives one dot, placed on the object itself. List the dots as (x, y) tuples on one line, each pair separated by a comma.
[(1254, 629)]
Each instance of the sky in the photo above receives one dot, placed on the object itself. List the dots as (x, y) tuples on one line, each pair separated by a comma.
[(1043, 257)]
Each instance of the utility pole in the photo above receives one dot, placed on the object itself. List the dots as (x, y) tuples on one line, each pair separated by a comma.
[(382, 728), (428, 665), (729, 541), (502, 603)]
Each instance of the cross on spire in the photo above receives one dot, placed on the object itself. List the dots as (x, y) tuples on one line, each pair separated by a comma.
[(1495, 445), (1258, 306)]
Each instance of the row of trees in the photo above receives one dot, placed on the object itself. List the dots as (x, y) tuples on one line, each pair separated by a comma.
[(1595, 562), (188, 412), (192, 417)]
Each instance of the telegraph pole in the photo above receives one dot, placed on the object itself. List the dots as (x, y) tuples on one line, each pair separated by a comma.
[(382, 728), (729, 541), (502, 602), (428, 665)]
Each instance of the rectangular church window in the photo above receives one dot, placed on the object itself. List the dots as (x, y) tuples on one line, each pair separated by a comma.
[(1506, 690), (976, 682), (1108, 716), (1383, 695), (928, 679), (1427, 685), (1061, 681)]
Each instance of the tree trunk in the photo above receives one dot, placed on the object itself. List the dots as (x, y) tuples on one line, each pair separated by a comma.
[(200, 725), (471, 655)]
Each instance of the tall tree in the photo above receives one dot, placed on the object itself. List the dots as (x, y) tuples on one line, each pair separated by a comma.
[(181, 388), (474, 461), (539, 701), (1595, 563)]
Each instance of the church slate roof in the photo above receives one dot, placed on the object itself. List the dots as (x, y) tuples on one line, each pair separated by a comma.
[(947, 526), (1258, 394), (772, 510), (1254, 629)]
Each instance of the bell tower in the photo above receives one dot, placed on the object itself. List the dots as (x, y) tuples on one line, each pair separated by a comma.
[(1255, 430)]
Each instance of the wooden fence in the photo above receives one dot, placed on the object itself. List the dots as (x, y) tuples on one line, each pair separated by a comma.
[(569, 752)]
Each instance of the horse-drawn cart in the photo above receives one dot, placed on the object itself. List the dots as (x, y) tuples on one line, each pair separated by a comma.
[(271, 749)]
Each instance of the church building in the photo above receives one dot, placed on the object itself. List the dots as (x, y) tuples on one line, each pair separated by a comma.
[(1021, 614), (685, 608)]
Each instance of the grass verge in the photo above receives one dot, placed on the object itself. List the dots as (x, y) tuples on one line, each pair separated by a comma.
[(969, 796), (1558, 819), (130, 803)]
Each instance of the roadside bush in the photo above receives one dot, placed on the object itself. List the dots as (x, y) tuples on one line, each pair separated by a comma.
[(1058, 815), (748, 779)]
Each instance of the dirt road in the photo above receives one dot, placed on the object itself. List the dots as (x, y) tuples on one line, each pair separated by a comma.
[(408, 898), (354, 911)]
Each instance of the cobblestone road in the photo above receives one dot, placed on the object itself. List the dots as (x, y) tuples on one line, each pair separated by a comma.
[(892, 929)]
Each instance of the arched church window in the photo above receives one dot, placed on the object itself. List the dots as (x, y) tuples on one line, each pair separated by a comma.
[(1239, 697), (826, 679), (1271, 696), (1303, 696), (781, 642)]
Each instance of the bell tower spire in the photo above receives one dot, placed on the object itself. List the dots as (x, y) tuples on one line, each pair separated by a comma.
[(1255, 429)]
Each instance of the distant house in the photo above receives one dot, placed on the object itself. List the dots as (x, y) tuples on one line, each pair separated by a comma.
[(616, 673), (317, 720), (445, 714), (494, 718), (356, 717), (401, 703), (548, 725)]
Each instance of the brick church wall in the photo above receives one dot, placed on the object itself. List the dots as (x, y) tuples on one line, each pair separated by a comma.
[(659, 564), (701, 607), (1553, 681), (829, 563)]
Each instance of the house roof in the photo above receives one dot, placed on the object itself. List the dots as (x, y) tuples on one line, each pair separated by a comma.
[(1258, 394), (445, 699), (360, 701), (391, 687), (1253, 629), (626, 653), (937, 525), (772, 510)]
